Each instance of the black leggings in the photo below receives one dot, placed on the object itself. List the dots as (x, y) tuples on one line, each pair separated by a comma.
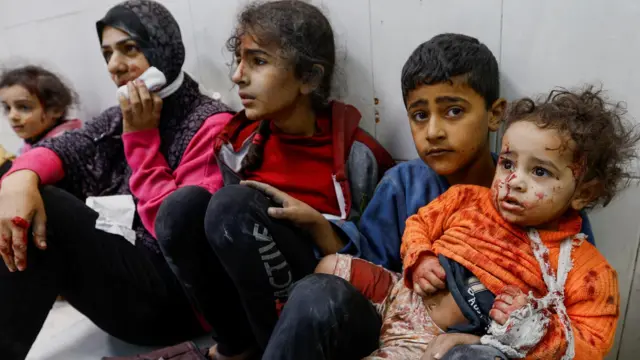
[(127, 291), (236, 263), (5, 167)]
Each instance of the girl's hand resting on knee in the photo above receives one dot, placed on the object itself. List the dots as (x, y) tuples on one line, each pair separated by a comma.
[(302, 215), (21, 211)]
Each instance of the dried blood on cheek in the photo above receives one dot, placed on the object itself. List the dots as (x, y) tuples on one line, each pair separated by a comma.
[(549, 197)]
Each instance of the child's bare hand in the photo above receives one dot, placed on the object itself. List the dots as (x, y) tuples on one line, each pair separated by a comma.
[(509, 300), (292, 209), (428, 276), (301, 215)]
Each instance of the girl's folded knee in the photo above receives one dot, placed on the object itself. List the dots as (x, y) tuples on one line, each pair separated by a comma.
[(327, 265)]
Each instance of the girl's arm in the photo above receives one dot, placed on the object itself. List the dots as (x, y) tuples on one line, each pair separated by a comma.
[(153, 180)]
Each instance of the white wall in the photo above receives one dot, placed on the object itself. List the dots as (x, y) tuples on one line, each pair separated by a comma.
[(539, 44)]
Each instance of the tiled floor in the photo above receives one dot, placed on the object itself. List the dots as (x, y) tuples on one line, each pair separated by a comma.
[(68, 335)]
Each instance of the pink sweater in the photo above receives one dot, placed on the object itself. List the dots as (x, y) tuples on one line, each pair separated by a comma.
[(152, 180)]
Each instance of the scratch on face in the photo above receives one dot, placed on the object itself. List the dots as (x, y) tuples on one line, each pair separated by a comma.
[(506, 150), (577, 170), (497, 186), (508, 181)]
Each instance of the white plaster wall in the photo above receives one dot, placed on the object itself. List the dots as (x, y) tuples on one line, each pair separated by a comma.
[(539, 44)]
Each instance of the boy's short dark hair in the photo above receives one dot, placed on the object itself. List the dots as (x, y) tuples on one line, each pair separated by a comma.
[(449, 55), (605, 139)]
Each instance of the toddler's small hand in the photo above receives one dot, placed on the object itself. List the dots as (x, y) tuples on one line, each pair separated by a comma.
[(428, 276), (509, 300)]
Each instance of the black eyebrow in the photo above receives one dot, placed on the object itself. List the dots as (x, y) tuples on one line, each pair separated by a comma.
[(419, 102), (117, 43), (256, 52), (450, 99)]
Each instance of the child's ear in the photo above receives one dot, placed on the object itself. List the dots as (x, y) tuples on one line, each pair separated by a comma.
[(496, 114), (585, 194), (55, 113), (313, 79)]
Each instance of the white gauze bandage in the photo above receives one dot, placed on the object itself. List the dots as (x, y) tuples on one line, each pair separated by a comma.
[(527, 326)]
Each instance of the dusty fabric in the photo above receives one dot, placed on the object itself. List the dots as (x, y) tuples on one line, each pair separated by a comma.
[(407, 328), (526, 326), (521, 333)]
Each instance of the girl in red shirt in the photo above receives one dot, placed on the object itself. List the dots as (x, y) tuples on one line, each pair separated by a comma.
[(233, 251)]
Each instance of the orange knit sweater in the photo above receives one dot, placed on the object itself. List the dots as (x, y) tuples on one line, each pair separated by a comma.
[(463, 224)]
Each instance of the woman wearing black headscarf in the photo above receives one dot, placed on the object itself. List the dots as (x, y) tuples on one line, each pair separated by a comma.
[(108, 268)]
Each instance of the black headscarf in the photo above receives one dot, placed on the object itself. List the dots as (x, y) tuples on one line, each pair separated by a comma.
[(154, 29)]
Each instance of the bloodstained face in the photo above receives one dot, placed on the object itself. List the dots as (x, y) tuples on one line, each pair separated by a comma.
[(537, 178)]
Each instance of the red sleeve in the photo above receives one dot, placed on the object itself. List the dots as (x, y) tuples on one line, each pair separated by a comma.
[(152, 180), (43, 162)]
